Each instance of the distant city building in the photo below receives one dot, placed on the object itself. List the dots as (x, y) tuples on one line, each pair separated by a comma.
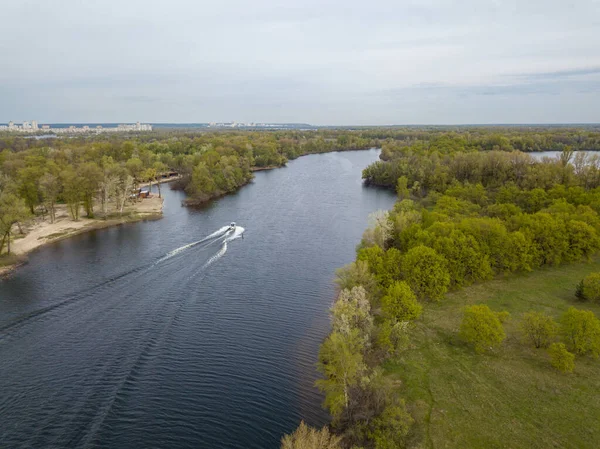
[(28, 127)]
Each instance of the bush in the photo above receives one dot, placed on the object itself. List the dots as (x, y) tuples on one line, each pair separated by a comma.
[(560, 358), (391, 427), (482, 327), (581, 331), (392, 338), (400, 303), (590, 287), (538, 329), (305, 437), (579, 291)]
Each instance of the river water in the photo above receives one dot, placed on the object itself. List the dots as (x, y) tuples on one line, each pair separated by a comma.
[(128, 337)]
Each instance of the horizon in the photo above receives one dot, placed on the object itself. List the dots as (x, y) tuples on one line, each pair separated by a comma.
[(315, 125)]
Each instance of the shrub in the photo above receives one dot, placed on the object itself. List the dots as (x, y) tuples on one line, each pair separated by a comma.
[(392, 337), (538, 329), (581, 331), (579, 291), (305, 437), (400, 303), (560, 358), (391, 427), (590, 287), (482, 327)]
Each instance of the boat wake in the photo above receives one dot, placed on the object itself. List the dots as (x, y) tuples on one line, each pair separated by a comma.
[(209, 239), (235, 234), (223, 236)]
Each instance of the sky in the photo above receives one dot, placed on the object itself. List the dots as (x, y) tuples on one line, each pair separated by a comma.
[(317, 61)]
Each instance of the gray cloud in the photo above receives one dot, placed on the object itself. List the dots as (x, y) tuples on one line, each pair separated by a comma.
[(324, 62)]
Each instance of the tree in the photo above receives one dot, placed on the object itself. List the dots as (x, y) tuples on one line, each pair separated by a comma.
[(122, 188), (560, 358), (402, 188), (159, 169), (342, 365), (581, 331), (91, 177), (352, 311), (305, 437), (400, 303), (135, 167), (538, 329), (590, 287), (50, 188), (29, 186), (379, 230), (108, 181), (392, 337), (72, 191), (355, 274), (149, 175), (390, 428), (482, 327), (426, 273), (12, 210)]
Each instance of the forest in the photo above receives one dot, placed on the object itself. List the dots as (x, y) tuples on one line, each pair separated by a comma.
[(467, 213), (88, 173)]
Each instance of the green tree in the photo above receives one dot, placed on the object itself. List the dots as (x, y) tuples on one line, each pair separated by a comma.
[(50, 188), (13, 210), (306, 437), (390, 428), (482, 327), (560, 358), (29, 186), (392, 337), (581, 331), (425, 272), (355, 274), (342, 365), (159, 169), (72, 182), (400, 303), (402, 188), (538, 329), (590, 287), (91, 177), (108, 182)]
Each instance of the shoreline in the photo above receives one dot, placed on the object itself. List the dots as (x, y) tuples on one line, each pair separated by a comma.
[(42, 232), (45, 232)]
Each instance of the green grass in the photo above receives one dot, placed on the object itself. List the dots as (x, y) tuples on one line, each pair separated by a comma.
[(511, 398)]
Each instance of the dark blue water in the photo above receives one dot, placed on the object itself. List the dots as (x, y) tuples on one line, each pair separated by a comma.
[(110, 339)]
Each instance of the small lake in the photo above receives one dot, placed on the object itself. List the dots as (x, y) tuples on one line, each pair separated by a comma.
[(152, 335)]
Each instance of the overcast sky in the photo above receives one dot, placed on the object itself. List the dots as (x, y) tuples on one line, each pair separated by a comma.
[(315, 61)]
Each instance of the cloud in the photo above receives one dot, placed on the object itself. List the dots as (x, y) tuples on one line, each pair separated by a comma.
[(326, 61)]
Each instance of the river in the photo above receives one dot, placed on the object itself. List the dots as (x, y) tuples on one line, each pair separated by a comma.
[(127, 337)]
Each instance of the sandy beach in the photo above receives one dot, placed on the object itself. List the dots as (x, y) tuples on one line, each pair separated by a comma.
[(38, 231)]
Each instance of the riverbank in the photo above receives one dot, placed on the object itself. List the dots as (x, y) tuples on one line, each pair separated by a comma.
[(39, 232)]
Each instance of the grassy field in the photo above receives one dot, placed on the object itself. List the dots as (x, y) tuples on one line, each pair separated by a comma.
[(511, 398)]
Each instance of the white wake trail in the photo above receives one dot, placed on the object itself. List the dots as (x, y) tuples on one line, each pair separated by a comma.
[(220, 232), (237, 233)]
